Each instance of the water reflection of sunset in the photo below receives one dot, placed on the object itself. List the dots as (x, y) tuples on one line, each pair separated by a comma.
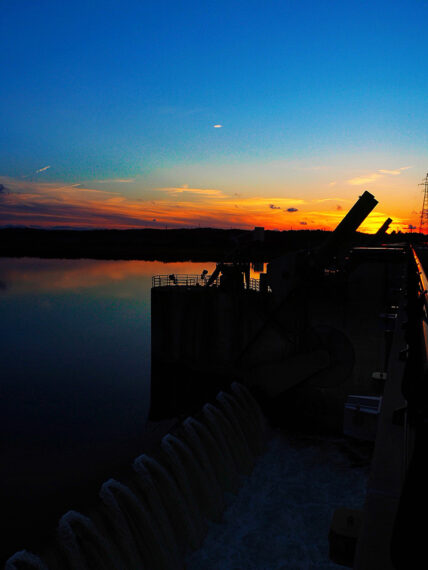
[(62, 275)]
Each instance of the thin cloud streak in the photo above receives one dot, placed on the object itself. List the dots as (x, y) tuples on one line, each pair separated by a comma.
[(372, 177), (361, 180), (186, 190), (395, 172), (337, 199), (116, 181), (391, 172)]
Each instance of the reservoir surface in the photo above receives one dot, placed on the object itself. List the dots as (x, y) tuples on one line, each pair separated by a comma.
[(75, 380)]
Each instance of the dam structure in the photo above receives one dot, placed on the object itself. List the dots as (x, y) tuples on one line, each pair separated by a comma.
[(328, 342), (169, 512)]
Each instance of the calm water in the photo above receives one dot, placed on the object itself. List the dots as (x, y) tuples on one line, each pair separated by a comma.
[(75, 378)]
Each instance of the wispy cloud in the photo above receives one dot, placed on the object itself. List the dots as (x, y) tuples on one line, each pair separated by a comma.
[(367, 179), (391, 172), (201, 191), (116, 181), (373, 176), (395, 172), (336, 199), (218, 126)]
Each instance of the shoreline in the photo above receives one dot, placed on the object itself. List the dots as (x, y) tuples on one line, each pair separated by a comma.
[(198, 244)]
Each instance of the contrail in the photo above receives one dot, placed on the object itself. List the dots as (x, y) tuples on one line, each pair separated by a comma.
[(42, 169)]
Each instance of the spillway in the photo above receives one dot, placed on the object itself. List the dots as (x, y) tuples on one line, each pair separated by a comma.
[(135, 528), (24, 560), (86, 546), (204, 488), (184, 527), (209, 456), (161, 514)]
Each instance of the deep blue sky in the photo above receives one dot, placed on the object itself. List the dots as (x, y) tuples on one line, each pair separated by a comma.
[(115, 90)]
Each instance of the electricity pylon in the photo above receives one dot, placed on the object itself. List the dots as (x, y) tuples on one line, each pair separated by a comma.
[(424, 211)]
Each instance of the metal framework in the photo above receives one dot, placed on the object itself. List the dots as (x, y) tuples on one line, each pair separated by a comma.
[(424, 211)]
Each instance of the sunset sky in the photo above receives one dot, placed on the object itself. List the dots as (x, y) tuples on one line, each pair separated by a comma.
[(217, 113)]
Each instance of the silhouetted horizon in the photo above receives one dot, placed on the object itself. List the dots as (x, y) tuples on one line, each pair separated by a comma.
[(198, 244)]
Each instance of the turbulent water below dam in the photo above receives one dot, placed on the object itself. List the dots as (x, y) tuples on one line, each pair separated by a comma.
[(281, 516), (75, 397)]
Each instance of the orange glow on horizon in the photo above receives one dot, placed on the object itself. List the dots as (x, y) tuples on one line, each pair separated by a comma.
[(50, 205)]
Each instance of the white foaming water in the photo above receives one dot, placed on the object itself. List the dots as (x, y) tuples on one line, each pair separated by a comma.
[(221, 438), (222, 464), (193, 440), (179, 473), (281, 516), (123, 534), (238, 423), (251, 428), (84, 546), (174, 502), (25, 560), (136, 529), (149, 495), (206, 492), (235, 441), (247, 400), (200, 472)]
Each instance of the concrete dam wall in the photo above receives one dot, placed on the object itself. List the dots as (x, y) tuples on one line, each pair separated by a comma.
[(204, 325)]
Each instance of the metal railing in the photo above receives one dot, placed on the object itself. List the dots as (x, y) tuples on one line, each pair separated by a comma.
[(182, 280), (254, 284), (418, 309), (406, 536), (189, 280)]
